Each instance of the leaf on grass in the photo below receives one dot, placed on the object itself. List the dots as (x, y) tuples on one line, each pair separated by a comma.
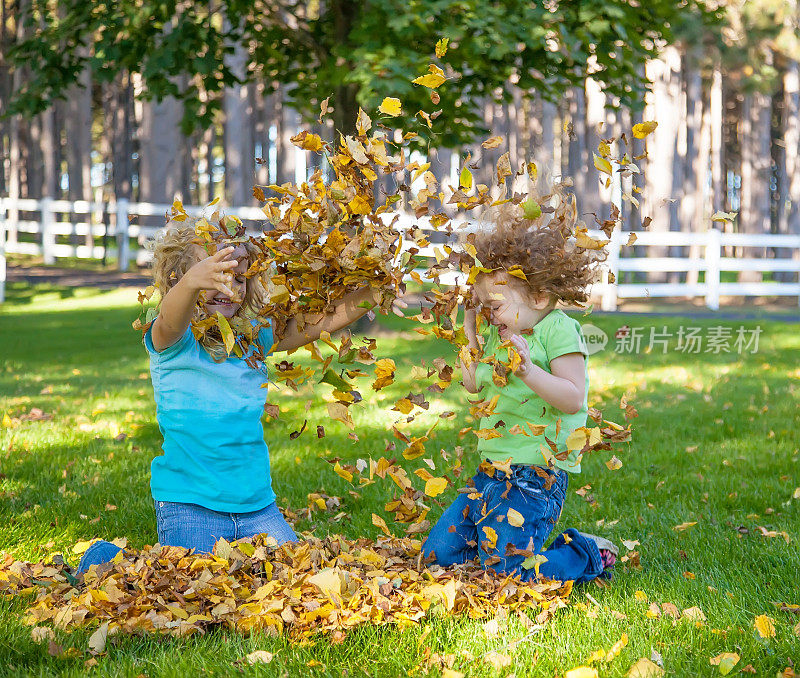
[(765, 626), (644, 668), (684, 526), (725, 661), (614, 464), (97, 641), (260, 656)]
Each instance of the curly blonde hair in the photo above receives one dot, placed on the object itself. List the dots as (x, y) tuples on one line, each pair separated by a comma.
[(176, 248), (541, 248)]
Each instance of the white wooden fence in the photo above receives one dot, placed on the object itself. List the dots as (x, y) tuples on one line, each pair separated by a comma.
[(72, 229)]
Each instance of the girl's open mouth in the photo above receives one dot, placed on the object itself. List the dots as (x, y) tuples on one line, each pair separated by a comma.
[(221, 302)]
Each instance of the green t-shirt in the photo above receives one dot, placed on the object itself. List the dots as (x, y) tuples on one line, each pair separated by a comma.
[(554, 335)]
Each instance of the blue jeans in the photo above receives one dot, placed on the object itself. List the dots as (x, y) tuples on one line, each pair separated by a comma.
[(198, 528), (458, 536)]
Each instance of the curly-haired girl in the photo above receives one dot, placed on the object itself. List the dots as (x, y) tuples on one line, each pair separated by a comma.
[(538, 400), (213, 480)]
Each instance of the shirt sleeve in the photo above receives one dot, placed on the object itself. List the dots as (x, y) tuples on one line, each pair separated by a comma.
[(179, 346), (563, 337)]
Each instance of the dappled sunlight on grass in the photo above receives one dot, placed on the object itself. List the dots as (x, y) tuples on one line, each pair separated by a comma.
[(714, 444)]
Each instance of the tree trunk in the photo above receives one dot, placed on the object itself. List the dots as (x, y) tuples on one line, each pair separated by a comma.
[(691, 203), (596, 197), (286, 161), (160, 171), (716, 122), (78, 128), (118, 129), (577, 155), (754, 135), (239, 142), (790, 167), (662, 106)]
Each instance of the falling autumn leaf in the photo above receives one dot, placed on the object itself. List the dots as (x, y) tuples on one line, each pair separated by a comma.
[(391, 106), (642, 129), (435, 486)]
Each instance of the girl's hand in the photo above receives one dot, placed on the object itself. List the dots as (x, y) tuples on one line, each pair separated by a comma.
[(397, 307), (521, 347), (212, 273)]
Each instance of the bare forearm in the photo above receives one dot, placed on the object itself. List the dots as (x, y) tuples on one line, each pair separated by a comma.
[(347, 311), (174, 315), (556, 391), (468, 376)]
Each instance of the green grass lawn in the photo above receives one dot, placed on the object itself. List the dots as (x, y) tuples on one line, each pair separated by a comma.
[(715, 443)]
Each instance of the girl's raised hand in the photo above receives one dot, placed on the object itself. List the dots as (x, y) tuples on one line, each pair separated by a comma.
[(212, 273), (521, 346)]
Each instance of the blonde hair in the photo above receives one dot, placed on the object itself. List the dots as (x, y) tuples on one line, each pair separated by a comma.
[(176, 248)]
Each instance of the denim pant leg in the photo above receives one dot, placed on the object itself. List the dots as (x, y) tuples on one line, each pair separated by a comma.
[(572, 556), (98, 553), (453, 540), (192, 526), (525, 492), (269, 521)]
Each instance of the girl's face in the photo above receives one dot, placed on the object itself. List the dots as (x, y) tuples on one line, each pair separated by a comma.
[(506, 306), (219, 302)]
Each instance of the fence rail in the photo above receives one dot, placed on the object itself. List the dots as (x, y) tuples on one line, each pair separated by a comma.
[(122, 236)]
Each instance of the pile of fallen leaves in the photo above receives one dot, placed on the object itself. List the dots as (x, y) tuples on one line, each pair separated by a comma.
[(317, 585)]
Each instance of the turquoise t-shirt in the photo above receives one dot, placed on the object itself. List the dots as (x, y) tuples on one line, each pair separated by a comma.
[(210, 416)]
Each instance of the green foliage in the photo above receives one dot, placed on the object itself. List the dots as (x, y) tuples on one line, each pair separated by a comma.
[(356, 52)]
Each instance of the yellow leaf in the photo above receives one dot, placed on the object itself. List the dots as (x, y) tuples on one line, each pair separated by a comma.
[(642, 129), (491, 538), (339, 412), (613, 464), (583, 239), (435, 486), (343, 473), (644, 668), (577, 439), (581, 672), (429, 80), (515, 518), (641, 596), (492, 142), (726, 661), (465, 179), (327, 581), (765, 626), (602, 164), (441, 47), (307, 141), (259, 657), (391, 106), (359, 205), (227, 333), (616, 648), (380, 523), (723, 216), (684, 526)]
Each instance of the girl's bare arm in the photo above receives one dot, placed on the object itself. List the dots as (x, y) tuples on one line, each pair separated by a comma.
[(351, 307), (468, 370), (177, 306)]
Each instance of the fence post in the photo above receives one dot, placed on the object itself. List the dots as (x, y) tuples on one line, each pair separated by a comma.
[(2, 250), (48, 236), (609, 299), (123, 239), (713, 253)]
